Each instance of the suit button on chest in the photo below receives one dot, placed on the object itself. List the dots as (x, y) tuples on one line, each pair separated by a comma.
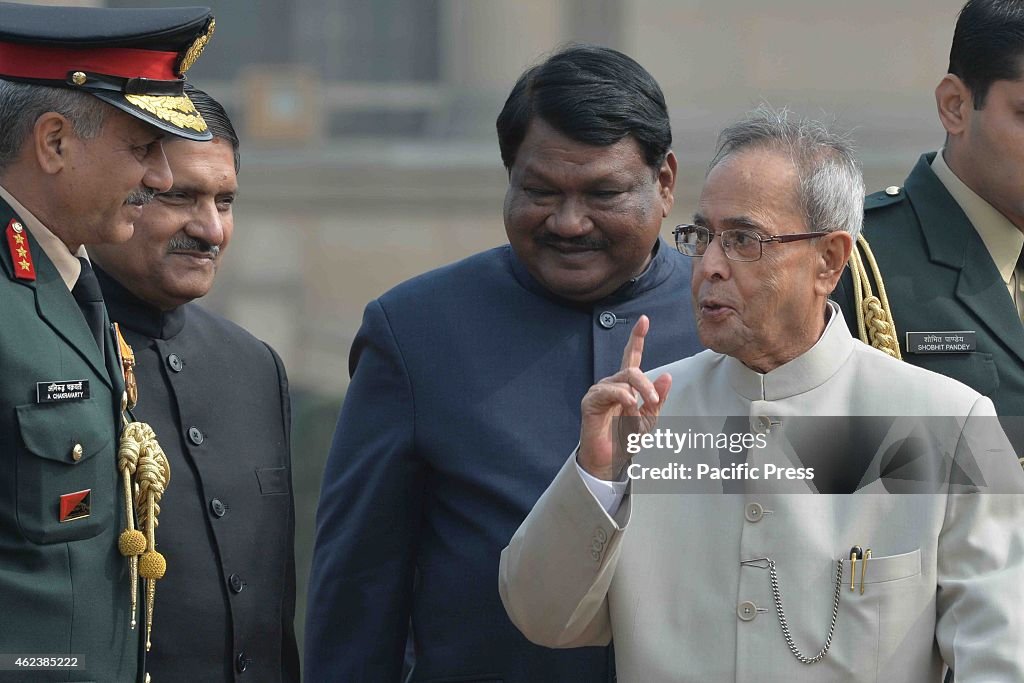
[(747, 611), (242, 662), (195, 436), (77, 452), (754, 512), (606, 320), (217, 508), (174, 362), (236, 583)]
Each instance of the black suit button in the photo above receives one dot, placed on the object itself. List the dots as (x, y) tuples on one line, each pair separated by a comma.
[(174, 362), (217, 507), (195, 436), (236, 583), (242, 663)]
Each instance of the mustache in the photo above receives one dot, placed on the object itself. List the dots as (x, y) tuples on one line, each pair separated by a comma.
[(185, 243), (584, 242), (141, 196)]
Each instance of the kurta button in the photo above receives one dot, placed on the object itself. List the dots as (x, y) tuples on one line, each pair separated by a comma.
[(76, 452), (195, 436), (754, 512), (747, 611), (607, 320), (217, 507), (236, 583), (242, 663), (174, 362)]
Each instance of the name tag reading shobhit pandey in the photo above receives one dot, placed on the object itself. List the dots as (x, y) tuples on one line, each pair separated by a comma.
[(62, 390), (964, 341)]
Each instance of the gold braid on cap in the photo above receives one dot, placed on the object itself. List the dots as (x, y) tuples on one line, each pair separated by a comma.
[(874, 317), (196, 48)]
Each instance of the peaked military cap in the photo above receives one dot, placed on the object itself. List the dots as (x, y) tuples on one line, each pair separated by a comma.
[(133, 59)]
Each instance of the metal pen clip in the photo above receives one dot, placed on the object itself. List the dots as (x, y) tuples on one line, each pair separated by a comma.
[(856, 553), (864, 569)]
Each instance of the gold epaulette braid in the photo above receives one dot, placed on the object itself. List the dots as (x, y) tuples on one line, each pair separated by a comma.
[(132, 542), (152, 474), (874, 317)]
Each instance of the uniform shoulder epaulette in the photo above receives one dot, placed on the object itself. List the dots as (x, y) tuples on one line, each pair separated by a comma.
[(890, 195)]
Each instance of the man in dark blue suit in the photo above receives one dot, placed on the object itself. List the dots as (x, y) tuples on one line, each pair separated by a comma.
[(467, 381)]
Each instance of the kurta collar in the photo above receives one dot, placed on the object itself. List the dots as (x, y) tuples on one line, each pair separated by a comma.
[(804, 373), (1001, 237), (134, 314), (66, 263), (657, 271)]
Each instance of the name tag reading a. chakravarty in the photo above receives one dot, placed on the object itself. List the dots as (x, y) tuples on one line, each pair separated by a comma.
[(62, 390), (964, 341)]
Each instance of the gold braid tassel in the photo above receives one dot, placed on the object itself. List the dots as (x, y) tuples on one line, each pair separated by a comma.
[(874, 317), (153, 475), (132, 542)]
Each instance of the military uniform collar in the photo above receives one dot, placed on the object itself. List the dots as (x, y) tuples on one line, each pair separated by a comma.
[(804, 373), (1001, 237), (64, 261), (134, 314), (657, 271)]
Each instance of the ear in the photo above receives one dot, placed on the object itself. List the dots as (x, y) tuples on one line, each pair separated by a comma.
[(51, 138), (667, 183), (954, 101), (833, 252)]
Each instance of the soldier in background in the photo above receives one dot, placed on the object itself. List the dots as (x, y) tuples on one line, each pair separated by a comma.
[(948, 242)]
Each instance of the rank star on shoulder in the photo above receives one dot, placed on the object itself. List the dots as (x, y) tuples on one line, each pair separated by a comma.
[(19, 239), (24, 264), (22, 252)]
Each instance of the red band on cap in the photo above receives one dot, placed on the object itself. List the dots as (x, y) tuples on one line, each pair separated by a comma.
[(54, 63)]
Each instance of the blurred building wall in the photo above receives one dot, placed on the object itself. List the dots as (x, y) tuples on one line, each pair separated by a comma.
[(404, 173)]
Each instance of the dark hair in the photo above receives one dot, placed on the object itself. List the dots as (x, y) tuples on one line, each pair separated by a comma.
[(216, 118), (988, 45), (591, 94)]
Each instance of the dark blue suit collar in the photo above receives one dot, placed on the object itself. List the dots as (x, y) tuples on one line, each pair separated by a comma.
[(135, 314), (658, 270)]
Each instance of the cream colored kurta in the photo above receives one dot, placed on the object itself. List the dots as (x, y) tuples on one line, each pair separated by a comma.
[(665, 579)]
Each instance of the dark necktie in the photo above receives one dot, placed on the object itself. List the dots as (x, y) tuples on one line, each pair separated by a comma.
[(90, 299), (1018, 294)]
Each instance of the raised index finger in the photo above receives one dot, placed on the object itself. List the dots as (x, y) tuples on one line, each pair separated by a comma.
[(634, 350)]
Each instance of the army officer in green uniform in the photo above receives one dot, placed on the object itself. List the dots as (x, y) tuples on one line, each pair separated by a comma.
[(86, 95), (948, 242)]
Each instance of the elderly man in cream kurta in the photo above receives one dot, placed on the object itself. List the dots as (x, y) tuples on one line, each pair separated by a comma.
[(683, 583)]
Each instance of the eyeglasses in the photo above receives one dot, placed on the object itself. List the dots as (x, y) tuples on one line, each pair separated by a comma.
[(738, 244)]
